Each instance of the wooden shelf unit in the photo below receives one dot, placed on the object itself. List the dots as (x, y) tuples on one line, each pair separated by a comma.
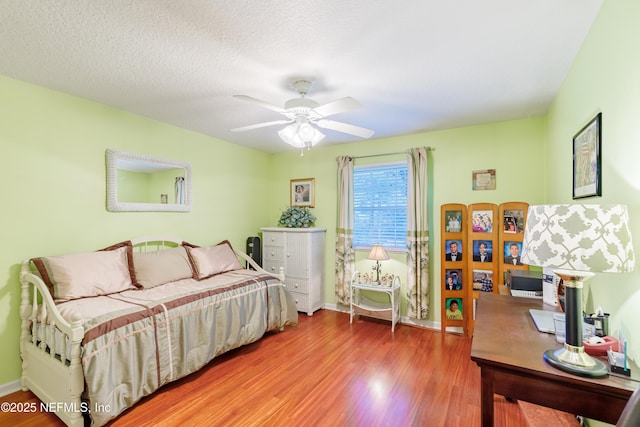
[(517, 211), (454, 231), (496, 227)]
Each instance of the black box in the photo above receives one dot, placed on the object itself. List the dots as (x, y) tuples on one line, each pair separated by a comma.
[(524, 280)]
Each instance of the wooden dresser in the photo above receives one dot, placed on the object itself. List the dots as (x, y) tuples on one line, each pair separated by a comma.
[(300, 251)]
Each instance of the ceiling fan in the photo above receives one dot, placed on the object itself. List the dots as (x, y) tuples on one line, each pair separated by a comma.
[(302, 112)]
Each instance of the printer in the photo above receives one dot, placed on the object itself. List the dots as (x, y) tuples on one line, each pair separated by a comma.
[(524, 280)]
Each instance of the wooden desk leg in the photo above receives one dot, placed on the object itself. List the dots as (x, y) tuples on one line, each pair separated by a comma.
[(486, 393)]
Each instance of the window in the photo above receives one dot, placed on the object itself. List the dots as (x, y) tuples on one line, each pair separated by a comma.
[(380, 206)]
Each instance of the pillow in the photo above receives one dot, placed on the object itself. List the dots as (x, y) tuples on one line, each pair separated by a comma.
[(129, 246), (160, 267), (212, 260), (85, 274)]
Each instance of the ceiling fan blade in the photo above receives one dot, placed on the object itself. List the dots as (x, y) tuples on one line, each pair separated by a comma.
[(259, 102), (346, 128), (261, 125), (339, 106)]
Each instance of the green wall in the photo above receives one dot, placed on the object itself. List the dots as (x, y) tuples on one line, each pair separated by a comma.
[(52, 169), (515, 149), (604, 78)]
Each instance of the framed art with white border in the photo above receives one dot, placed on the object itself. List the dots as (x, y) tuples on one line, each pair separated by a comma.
[(303, 192)]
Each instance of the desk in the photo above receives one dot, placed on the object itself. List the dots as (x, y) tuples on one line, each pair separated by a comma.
[(508, 348)]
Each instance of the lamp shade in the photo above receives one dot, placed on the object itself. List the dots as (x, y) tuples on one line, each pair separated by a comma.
[(378, 253), (577, 237)]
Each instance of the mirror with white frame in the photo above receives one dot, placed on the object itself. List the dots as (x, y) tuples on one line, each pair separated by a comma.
[(137, 182)]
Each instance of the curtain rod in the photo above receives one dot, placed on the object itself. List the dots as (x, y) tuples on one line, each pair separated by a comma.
[(387, 154)]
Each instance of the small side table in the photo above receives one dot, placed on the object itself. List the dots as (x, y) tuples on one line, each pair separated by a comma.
[(361, 305)]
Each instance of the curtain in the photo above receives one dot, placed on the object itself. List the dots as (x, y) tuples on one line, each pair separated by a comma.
[(417, 236), (345, 255)]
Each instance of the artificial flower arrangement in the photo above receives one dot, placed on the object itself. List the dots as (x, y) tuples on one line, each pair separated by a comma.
[(297, 218)]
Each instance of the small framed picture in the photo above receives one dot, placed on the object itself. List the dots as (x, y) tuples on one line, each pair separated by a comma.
[(513, 221), (453, 250), (454, 221), (482, 222), (483, 280), (482, 251), (453, 280), (587, 162), (303, 192), (453, 308), (512, 253), (483, 180)]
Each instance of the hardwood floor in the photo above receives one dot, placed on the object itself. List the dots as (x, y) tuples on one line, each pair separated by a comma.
[(324, 372)]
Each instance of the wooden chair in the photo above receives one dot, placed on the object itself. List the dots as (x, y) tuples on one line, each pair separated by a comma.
[(631, 415)]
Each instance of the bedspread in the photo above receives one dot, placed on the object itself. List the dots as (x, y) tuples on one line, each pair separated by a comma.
[(136, 341)]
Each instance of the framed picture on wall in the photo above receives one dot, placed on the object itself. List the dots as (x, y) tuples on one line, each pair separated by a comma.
[(303, 192), (587, 162), (483, 180)]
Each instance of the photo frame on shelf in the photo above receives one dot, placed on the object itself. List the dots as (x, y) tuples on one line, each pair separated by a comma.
[(512, 252), (303, 192), (454, 308), (482, 221), (483, 251), (453, 280), (453, 222), (453, 250), (587, 161), (513, 221), (483, 280)]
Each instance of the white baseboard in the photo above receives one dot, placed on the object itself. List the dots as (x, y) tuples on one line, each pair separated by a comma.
[(9, 388), (429, 324)]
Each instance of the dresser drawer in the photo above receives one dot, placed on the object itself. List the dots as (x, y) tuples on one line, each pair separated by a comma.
[(302, 301), (270, 238), (273, 253), (273, 266), (297, 285)]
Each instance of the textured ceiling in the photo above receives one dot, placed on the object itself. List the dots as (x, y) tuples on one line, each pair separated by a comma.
[(414, 65)]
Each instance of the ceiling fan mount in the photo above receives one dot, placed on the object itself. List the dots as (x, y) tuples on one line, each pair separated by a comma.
[(302, 86), (301, 112)]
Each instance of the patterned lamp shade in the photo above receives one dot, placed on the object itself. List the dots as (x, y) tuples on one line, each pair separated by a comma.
[(578, 237)]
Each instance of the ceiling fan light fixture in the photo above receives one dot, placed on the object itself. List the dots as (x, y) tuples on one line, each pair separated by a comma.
[(301, 134), (304, 116)]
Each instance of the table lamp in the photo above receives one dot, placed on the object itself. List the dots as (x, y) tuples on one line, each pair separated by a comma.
[(577, 241), (378, 254)]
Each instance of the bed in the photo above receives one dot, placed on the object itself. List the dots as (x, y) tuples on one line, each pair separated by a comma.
[(93, 354)]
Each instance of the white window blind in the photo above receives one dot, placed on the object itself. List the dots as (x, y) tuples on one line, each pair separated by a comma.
[(380, 206)]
